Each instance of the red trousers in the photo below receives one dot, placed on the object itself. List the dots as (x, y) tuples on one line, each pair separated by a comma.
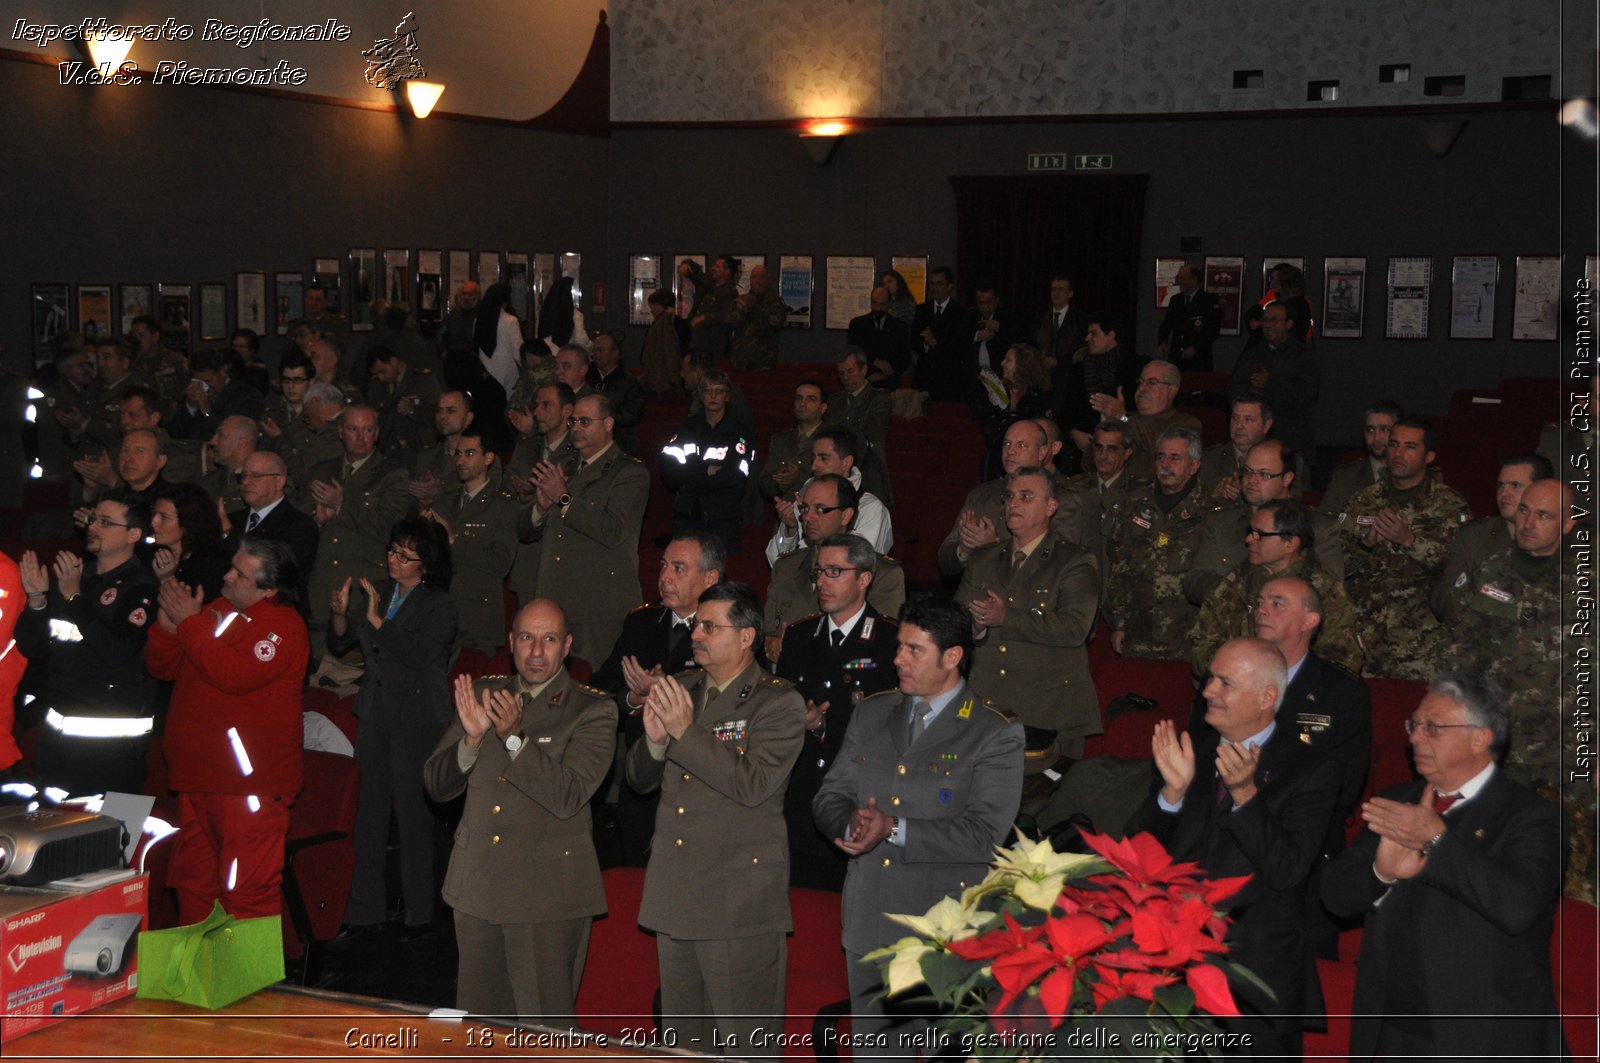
[(227, 852)]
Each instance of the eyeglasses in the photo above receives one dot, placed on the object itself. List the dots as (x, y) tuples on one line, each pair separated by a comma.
[(1431, 729), (1151, 382), (1257, 533), (706, 627), (287, 379), (1263, 474), (259, 475), (583, 422), (819, 509), (831, 571), (395, 551), (107, 522)]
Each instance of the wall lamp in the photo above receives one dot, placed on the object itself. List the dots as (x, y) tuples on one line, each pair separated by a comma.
[(108, 52), (821, 137), (422, 96)]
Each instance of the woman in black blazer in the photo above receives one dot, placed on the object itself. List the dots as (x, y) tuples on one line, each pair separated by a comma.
[(405, 626)]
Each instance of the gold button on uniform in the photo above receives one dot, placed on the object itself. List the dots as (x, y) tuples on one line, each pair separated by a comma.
[(886, 861), (755, 859), (495, 810), (1002, 649), (495, 840), (901, 769), (680, 810), (678, 842), (895, 801)]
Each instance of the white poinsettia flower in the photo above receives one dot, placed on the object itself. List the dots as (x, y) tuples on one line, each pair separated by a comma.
[(949, 920)]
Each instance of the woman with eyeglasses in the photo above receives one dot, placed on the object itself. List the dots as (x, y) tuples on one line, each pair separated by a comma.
[(405, 626), (187, 538)]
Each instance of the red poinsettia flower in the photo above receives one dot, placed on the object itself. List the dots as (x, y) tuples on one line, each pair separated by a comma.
[(1177, 936), (1074, 939), (1211, 991), (1114, 985), (1012, 938), (1016, 971), (1141, 858)]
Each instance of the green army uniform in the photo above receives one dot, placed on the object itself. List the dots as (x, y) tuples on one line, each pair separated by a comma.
[(530, 451), (786, 447), (302, 448), (1391, 585), (1151, 549), (353, 540), (1075, 520), (483, 544), (792, 595), (168, 372), (221, 484), (1226, 613), (1476, 542), (1223, 547), (405, 415), (757, 327), (103, 429), (1508, 628), (529, 381)]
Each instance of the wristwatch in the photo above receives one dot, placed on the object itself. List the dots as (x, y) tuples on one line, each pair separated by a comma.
[(564, 501), (1432, 843), (513, 743)]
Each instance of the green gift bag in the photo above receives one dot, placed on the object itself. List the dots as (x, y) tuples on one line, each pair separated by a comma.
[(212, 963)]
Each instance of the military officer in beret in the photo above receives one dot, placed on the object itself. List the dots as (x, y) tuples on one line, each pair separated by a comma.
[(529, 751), (480, 519), (835, 658), (1033, 599), (927, 784), (720, 741)]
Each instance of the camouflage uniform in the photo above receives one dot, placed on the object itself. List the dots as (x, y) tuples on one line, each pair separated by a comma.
[(529, 381), (1391, 584), (755, 344), (1228, 607), (1509, 630), (1149, 552), (1474, 544), (169, 373)]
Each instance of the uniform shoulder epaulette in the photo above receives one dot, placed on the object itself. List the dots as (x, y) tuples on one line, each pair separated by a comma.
[(491, 679), (646, 607), (778, 681), (1005, 714), (806, 619), (1337, 667), (595, 692)]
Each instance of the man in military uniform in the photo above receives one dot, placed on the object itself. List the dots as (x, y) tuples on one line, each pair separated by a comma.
[(1372, 467), (166, 370), (1397, 538), (588, 523), (1505, 620), (1222, 466), (316, 313), (720, 741), (1268, 476), (356, 499), (609, 378), (405, 399), (114, 367), (1285, 371), (827, 507), (226, 452), (1153, 413), (547, 439), (1281, 541), (835, 658), (866, 411), (65, 412), (717, 314), (655, 642), (311, 440), (982, 519), (758, 323), (284, 406), (1494, 534), (212, 395), (1033, 601), (481, 521), (435, 471), (529, 751), (835, 450), (927, 784), (1101, 490), (1152, 546), (90, 632), (139, 411), (788, 463)]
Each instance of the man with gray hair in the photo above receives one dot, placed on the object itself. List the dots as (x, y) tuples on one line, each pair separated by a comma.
[(1240, 795), (1458, 875), (1152, 415), (311, 438)]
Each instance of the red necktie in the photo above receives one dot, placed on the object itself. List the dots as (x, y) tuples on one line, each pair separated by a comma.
[(1442, 802)]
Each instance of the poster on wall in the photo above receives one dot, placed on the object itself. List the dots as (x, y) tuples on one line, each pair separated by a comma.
[(94, 311), (848, 281), (517, 277), (913, 269), (488, 269), (397, 276), (213, 312), (174, 317), (683, 289), (325, 274), (1224, 278), (136, 300), (1344, 284), (250, 301), (795, 287), (1270, 262), (1166, 280), (460, 272), (363, 286), (1473, 280), (644, 277), (1409, 296), (430, 286), (52, 317), (288, 291), (1534, 313), (571, 265), (544, 275)]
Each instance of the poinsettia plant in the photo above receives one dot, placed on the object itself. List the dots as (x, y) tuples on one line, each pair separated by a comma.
[(1123, 945)]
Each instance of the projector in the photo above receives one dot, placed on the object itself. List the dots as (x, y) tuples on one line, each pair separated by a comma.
[(105, 946), (51, 843)]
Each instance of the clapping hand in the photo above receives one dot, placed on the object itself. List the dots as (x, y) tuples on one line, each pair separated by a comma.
[(472, 710), (868, 827), (164, 563), (1173, 752), (640, 680), (988, 611), (372, 604), (35, 579), (69, 573), (178, 603), (668, 711)]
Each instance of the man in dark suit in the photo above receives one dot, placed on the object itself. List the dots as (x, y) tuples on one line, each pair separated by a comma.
[(1192, 323), (884, 339), (269, 515), (655, 642), (1241, 795), (941, 339), (842, 654), (992, 333), (1459, 874), (1061, 328)]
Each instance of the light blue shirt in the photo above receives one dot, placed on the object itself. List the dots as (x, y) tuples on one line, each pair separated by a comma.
[(936, 705), (1260, 741)]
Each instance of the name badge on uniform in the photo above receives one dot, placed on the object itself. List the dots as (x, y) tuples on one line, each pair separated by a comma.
[(1314, 721), (1141, 522), (1366, 521), (1501, 596)]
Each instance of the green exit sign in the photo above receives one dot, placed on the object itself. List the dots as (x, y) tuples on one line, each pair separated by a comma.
[(1047, 162), (1091, 162)]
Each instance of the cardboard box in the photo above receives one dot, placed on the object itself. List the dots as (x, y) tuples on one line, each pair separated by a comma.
[(64, 952)]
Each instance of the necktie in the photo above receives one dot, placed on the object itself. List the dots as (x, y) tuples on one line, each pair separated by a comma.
[(1061, 315), (837, 635), (919, 721), (250, 525), (938, 311), (349, 471), (1017, 558), (1442, 802), (675, 640)]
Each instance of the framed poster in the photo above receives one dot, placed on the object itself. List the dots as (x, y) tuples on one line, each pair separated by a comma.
[(488, 268), (796, 287), (213, 312), (363, 286), (325, 275), (430, 287), (250, 301), (134, 300), (682, 287), (544, 273), (94, 312), (1166, 280), (1409, 290), (1473, 279), (644, 277), (1534, 313), (52, 318), (174, 317), (1344, 285), (741, 283), (570, 264), (913, 269), (1270, 261), (848, 282), (459, 272), (288, 300), (397, 276), (1224, 278), (517, 277)]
